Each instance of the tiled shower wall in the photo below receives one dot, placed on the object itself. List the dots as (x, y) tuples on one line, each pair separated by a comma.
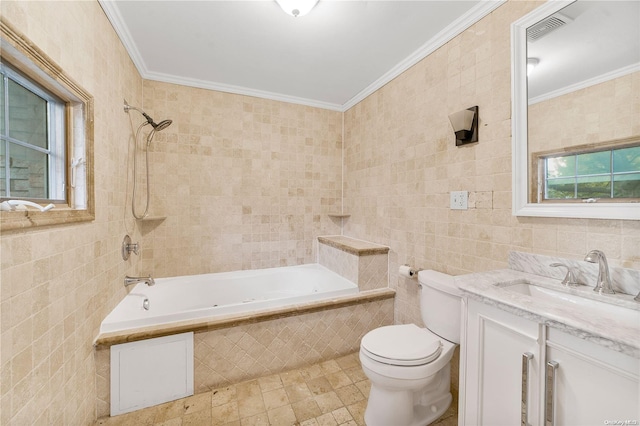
[(244, 183), (58, 283), (401, 162)]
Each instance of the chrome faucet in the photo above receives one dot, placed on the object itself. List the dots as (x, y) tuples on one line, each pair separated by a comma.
[(603, 284), (135, 280)]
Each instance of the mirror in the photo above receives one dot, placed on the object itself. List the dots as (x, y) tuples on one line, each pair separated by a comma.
[(578, 104)]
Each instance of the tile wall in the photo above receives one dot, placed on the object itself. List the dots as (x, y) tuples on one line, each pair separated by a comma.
[(244, 183), (58, 283), (401, 162), (604, 112)]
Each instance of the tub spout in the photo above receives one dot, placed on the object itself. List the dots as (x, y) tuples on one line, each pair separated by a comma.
[(135, 280)]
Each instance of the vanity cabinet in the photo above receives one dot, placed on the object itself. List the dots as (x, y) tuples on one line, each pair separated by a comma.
[(502, 353), (593, 384), (518, 371)]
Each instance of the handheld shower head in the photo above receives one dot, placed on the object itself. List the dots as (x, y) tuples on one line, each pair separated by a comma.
[(161, 125)]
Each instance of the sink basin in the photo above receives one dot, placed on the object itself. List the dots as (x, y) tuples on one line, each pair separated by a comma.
[(545, 294)]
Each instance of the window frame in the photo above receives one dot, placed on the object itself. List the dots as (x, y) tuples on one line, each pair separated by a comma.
[(56, 151), (25, 57), (538, 163)]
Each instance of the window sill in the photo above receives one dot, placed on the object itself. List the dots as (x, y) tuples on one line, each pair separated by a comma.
[(29, 219)]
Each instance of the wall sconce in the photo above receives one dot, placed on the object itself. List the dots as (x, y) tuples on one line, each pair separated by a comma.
[(465, 125)]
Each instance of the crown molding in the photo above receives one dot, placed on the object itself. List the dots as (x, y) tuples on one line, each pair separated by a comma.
[(611, 75), (117, 22), (240, 90), (475, 14), (483, 8)]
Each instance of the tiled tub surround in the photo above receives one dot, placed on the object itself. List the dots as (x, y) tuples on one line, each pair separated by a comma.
[(235, 348), (589, 324), (361, 262)]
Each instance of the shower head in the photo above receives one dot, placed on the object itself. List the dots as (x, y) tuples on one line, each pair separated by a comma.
[(161, 125), (156, 126)]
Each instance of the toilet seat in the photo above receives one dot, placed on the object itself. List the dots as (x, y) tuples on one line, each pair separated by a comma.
[(401, 345)]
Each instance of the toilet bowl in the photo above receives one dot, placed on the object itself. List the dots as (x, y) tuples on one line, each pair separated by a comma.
[(409, 366)]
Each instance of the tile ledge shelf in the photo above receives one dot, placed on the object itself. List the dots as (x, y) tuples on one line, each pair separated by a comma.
[(152, 218), (353, 245)]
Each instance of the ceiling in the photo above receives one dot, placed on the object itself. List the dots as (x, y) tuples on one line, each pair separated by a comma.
[(600, 41), (332, 58)]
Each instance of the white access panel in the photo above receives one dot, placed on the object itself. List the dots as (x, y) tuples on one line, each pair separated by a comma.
[(151, 372)]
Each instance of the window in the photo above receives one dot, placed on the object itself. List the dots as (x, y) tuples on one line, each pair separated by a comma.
[(612, 173), (32, 136), (46, 137)]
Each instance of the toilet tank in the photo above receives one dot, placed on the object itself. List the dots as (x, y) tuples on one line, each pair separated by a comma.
[(440, 304)]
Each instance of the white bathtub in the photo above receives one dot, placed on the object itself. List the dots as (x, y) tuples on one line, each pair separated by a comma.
[(209, 295)]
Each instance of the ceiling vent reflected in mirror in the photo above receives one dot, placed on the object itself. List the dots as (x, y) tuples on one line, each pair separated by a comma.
[(546, 27)]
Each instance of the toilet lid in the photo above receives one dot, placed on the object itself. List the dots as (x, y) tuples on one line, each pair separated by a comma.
[(405, 344)]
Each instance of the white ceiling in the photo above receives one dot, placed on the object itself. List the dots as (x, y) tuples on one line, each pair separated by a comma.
[(601, 41), (335, 56)]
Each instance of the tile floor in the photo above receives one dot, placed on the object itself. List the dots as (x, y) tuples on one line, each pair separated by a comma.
[(329, 393)]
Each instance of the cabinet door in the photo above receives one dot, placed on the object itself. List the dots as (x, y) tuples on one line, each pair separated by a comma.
[(494, 375), (593, 385)]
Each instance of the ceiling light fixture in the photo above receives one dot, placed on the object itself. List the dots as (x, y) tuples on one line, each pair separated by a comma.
[(297, 8)]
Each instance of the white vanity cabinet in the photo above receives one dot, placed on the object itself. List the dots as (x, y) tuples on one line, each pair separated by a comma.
[(502, 354), (593, 385), (566, 380)]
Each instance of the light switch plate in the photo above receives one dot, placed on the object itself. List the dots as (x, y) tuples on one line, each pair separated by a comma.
[(459, 200)]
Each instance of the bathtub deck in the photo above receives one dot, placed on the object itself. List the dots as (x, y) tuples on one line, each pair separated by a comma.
[(328, 393)]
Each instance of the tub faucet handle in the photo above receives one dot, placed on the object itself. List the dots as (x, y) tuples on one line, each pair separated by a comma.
[(128, 247)]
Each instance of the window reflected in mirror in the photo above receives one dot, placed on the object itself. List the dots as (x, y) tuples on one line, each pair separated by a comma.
[(604, 175)]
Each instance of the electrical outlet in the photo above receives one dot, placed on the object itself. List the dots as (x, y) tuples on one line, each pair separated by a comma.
[(459, 200)]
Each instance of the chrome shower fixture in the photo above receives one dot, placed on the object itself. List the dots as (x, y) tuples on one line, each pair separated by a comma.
[(156, 126)]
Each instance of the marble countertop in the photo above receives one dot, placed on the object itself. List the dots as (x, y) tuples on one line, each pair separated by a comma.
[(620, 333)]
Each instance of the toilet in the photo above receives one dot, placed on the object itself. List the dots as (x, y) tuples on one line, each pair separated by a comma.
[(408, 366)]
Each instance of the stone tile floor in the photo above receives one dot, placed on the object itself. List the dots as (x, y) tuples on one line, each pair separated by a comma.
[(329, 393)]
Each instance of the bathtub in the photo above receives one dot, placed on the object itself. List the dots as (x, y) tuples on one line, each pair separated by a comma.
[(210, 295)]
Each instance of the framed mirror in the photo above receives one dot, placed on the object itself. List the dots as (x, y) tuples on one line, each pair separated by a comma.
[(575, 69)]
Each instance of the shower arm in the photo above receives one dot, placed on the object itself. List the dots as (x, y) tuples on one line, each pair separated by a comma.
[(128, 107)]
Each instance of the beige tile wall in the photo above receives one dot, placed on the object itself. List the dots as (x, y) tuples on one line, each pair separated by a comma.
[(368, 271), (401, 162), (58, 283), (600, 113), (244, 182)]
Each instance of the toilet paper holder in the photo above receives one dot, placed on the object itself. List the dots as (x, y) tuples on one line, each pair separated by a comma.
[(408, 271)]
